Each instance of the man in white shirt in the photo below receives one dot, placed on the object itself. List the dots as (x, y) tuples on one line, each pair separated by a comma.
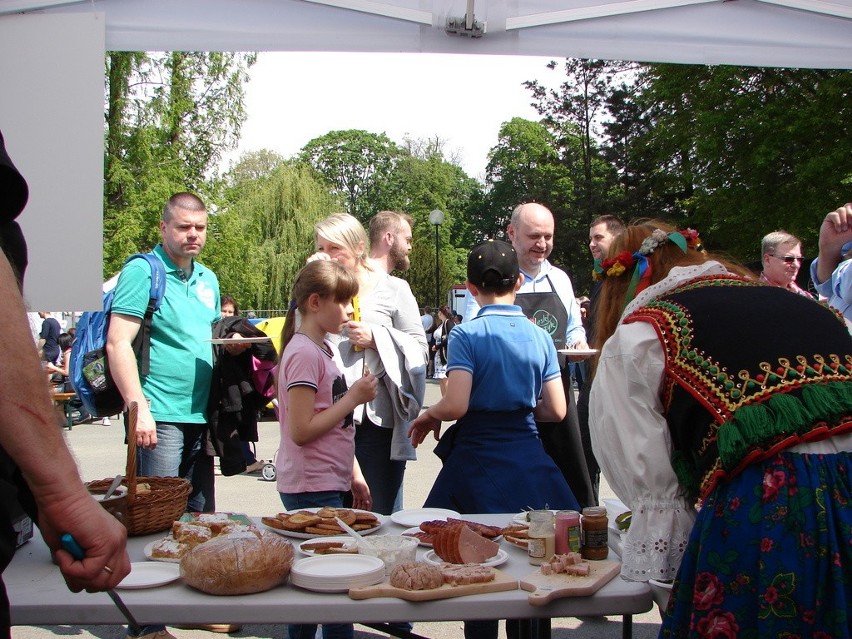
[(427, 318), (547, 298)]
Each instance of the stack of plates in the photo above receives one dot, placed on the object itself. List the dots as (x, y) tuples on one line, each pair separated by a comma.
[(337, 573)]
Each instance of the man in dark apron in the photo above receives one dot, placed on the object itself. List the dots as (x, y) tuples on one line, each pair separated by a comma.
[(547, 298)]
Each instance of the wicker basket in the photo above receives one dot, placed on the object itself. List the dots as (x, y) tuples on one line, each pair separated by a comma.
[(153, 510)]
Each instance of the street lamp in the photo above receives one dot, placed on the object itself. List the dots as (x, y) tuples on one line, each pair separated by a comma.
[(436, 218)]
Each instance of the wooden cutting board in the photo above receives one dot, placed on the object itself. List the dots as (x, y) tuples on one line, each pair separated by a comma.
[(501, 582), (545, 588)]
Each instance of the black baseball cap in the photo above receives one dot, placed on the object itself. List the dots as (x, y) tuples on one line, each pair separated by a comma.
[(492, 264)]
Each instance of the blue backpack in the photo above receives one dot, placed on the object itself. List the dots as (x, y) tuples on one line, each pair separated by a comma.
[(89, 367)]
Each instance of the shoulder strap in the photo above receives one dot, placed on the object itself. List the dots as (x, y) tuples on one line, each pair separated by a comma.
[(142, 341), (158, 276)]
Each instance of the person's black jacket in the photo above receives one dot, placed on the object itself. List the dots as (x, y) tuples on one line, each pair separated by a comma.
[(234, 400)]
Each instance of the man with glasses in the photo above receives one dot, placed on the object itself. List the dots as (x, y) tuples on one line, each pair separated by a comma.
[(782, 258)]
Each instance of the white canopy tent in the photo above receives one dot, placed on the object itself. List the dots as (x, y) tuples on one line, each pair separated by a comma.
[(789, 33), (45, 44)]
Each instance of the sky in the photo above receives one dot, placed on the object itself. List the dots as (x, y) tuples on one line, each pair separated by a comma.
[(293, 98)]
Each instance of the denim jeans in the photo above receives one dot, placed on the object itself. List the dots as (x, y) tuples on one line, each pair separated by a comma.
[(382, 474), (180, 453), (295, 501)]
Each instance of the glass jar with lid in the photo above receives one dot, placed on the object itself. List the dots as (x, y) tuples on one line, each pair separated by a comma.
[(567, 531), (542, 540), (595, 524)]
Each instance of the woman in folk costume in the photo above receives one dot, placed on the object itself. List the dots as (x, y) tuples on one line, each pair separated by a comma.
[(722, 416)]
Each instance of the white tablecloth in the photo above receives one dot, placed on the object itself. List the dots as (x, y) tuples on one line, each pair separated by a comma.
[(38, 596)]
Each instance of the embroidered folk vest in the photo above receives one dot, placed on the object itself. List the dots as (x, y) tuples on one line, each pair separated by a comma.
[(750, 370)]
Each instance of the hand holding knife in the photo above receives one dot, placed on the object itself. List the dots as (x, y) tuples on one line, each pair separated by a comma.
[(75, 550)]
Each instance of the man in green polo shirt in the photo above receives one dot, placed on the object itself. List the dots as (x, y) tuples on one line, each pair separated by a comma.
[(172, 398)]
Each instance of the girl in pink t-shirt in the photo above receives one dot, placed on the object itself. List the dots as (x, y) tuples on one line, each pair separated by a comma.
[(316, 460)]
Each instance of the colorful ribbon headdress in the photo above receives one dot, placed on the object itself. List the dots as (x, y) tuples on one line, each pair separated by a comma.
[(641, 277)]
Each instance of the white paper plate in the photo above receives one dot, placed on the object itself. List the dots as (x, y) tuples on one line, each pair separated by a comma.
[(144, 574), (238, 340), (337, 573), (301, 535), (344, 588), (339, 587), (336, 566), (410, 533), (496, 560), (416, 516), (587, 352), (149, 547), (346, 539)]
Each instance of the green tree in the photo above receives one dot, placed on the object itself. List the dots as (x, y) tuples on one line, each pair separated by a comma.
[(425, 185), (357, 165), (266, 234), (755, 148), (524, 166), (253, 166), (575, 111), (169, 118), (647, 188)]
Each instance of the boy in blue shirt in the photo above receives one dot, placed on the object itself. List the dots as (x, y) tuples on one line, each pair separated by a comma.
[(503, 375)]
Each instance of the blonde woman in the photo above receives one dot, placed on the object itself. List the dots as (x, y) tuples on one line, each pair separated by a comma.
[(386, 336)]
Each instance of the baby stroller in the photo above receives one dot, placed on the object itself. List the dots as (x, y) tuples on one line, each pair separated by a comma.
[(268, 472)]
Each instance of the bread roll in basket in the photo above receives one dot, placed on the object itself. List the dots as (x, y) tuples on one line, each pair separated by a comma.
[(238, 564)]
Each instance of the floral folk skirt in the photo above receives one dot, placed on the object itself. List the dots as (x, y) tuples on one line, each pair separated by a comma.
[(770, 554)]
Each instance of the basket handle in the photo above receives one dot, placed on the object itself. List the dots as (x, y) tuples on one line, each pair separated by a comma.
[(132, 414)]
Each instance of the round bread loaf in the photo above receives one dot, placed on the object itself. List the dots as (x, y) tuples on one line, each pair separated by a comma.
[(414, 575), (238, 564)]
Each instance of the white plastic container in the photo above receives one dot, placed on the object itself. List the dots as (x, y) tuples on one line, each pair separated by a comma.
[(391, 549)]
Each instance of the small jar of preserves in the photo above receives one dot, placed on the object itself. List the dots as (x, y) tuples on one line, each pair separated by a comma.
[(595, 526)]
